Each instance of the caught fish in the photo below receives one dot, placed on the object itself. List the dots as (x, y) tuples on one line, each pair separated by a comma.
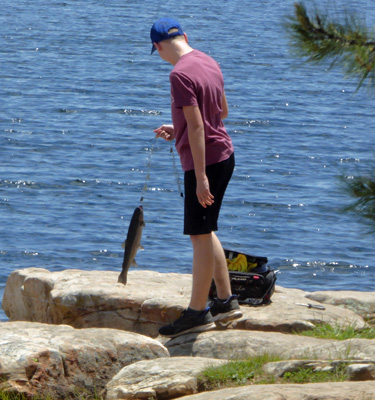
[(132, 243)]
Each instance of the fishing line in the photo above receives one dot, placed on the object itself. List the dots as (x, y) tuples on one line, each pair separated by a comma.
[(175, 169), (148, 165)]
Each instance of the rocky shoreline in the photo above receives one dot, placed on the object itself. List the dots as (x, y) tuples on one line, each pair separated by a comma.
[(77, 328)]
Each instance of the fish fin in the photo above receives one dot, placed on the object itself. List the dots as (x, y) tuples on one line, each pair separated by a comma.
[(141, 247), (134, 263), (123, 244)]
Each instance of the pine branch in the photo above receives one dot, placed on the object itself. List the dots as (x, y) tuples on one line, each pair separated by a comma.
[(363, 190), (350, 45), (347, 44)]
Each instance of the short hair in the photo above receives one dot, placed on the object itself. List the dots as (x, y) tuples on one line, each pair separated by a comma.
[(176, 37)]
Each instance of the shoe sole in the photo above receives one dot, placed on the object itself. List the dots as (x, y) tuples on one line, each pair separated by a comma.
[(228, 316), (195, 329)]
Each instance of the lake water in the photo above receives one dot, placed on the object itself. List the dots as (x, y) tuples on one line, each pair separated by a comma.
[(80, 96)]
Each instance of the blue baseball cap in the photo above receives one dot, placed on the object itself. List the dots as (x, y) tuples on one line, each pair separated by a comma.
[(163, 29)]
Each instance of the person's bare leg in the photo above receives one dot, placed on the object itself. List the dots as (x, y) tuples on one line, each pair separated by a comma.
[(203, 269), (223, 311), (208, 262), (221, 274)]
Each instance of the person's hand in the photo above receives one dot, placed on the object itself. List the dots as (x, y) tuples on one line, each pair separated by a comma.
[(204, 195), (166, 132)]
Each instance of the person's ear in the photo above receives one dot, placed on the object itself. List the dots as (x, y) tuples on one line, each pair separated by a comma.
[(186, 38), (158, 46)]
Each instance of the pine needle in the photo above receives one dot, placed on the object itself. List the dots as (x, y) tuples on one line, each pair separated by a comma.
[(348, 44)]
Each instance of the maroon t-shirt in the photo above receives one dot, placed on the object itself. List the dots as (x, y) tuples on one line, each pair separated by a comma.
[(196, 80)]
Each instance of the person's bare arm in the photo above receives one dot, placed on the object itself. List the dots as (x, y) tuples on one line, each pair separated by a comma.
[(225, 112), (198, 149)]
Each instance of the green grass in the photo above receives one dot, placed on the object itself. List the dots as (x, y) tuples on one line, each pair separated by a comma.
[(326, 331), (308, 375), (249, 371), (245, 372), (11, 396), (235, 373)]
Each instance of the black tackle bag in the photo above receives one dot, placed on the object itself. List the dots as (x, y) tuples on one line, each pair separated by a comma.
[(253, 288)]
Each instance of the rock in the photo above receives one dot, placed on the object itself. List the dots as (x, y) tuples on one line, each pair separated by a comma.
[(234, 344), (356, 349), (308, 391), (56, 360), (85, 299), (280, 368), (148, 301), (362, 303), (285, 315), (29, 302), (355, 370), (361, 372), (163, 378), (239, 344)]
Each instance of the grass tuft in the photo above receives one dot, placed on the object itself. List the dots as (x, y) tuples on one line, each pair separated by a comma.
[(308, 375), (235, 373), (250, 371), (327, 331)]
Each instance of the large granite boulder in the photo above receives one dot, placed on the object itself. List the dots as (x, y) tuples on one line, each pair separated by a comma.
[(234, 344), (309, 391), (287, 314), (362, 303), (354, 370), (150, 299), (164, 378), (58, 359), (94, 298)]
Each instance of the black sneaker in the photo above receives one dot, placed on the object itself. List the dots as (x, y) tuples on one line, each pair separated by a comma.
[(225, 311), (189, 322)]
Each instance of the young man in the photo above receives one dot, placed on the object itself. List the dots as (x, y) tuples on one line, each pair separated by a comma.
[(199, 106)]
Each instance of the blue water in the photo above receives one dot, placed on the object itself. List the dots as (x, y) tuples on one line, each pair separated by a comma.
[(80, 96)]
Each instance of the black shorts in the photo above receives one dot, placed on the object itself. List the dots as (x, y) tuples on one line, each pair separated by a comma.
[(197, 219)]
